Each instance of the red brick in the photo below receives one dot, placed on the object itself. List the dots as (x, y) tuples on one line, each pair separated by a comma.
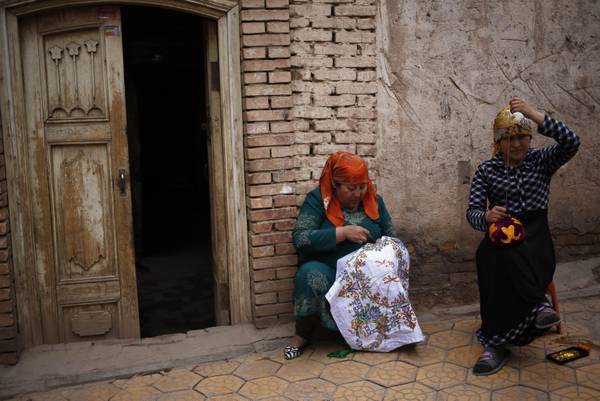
[(333, 22), (266, 65), (5, 293), (284, 176), (366, 100), (270, 189), (273, 285), (273, 214), (334, 74), (278, 52), (269, 140), (354, 137), (355, 37), (264, 275), (262, 251), (4, 255), (278, 3), (260, 203), (267, 39), (312, 112), (327, 149), (261, 227), (256, 128), (267, 298), (267, 310), (255, 77), (7, 306), (253, 3), (269, 165), (6, 319), (311, 35), (278, 27), (366, 23), (268, 239), (281, 102), (275, 261), (3, 213), (285, 296), (356, 112), (335, 101), (4, 281), (267, 89), (8, 346), (258, 178), (4, 241), (355, 62), (357, 88), (10, 358), (285, 318), (283, 151), (249, 53), (8, 332), (336, 49), (266, 115), (280, 77), (286, 272), (4, 268), (284, 200), (265, 15), (253, 27), (258, 153), (253, 103), (4, 225), (285, 225), (287, 126), (367, 75), (284, 249), (310, 10)]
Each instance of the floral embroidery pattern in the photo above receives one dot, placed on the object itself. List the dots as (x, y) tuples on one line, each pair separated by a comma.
[(369, 298)]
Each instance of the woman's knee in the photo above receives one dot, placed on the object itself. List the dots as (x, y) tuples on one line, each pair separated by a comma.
[(316, 275)]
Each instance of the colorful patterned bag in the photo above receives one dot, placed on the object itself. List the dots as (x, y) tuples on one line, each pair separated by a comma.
[(369, 298)]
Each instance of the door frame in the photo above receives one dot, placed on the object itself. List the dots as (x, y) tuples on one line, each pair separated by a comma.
[(229, 218)]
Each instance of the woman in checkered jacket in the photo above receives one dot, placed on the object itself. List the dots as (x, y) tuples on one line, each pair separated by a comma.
[(515, 260)]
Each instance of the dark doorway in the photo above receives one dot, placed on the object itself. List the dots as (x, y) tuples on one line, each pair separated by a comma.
[(166, 119)]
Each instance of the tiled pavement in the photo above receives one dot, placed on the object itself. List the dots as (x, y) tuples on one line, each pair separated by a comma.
[(437, 370)]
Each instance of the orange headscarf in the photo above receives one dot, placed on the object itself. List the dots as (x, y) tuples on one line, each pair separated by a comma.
[(346, 168)]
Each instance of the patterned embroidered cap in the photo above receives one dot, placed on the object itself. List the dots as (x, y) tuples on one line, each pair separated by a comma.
[(507, 231), (507, 124)]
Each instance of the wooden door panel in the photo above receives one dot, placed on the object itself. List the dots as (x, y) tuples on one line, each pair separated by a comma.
[(81, 200), (74, 91)]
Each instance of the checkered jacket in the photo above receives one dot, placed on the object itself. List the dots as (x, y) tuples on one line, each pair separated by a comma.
[(523, 188)]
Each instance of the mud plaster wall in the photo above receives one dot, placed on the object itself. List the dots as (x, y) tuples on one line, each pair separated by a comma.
[(444, 70)]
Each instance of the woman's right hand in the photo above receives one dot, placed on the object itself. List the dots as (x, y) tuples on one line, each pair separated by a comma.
[(494, 214), (353, 233)]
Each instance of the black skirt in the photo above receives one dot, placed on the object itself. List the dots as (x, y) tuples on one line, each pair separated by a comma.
[(513, 281)]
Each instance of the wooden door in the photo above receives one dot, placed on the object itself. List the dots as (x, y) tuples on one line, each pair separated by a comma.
[(79, 174)]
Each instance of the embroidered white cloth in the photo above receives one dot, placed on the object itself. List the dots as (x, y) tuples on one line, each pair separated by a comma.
[(369, 298)]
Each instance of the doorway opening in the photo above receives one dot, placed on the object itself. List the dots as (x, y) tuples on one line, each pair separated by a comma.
[(165, 79)]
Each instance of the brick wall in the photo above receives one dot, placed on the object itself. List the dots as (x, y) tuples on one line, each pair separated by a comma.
[(8, 329), (269, 150), (309, 90)]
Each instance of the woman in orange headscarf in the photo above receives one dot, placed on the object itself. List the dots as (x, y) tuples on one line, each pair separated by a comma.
[(336, 218)]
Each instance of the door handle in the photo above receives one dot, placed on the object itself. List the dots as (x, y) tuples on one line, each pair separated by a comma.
[(121, 176)]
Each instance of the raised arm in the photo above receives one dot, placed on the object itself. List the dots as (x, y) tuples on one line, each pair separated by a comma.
[(478, 202)]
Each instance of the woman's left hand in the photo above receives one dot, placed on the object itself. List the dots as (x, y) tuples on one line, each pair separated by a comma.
[(519, 105)]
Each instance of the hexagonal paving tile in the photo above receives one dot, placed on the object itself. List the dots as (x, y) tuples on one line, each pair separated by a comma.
[(463, 392), (522, 357), (422, 355), (468, 325), (262, 388), (575, 393), (301, 369), (319, 354), (178, 379), (185, 395), (505, 378), (359, 391), (313, 389), (441, 375), (450, 339), (138, 393), (589, 376), (46, 396), (519, 393), (228, 397), (392, 373), (465, 356), (547, 376), (345, 372), (216, 368), (256, 369), (91, 392), (138, 381), (435, 325), (277, 355), (411, 391), (375, 358), (219, 385)]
